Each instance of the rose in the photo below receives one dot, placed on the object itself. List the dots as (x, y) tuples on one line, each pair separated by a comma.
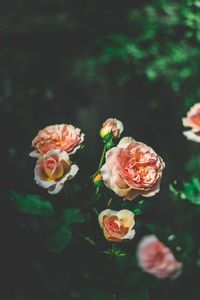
[(193, 120), (113, 126), (63, 137), (53, 169), (155, 258), (117, 225), (131, 169)]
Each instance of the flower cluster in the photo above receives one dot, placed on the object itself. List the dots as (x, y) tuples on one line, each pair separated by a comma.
[(53, 147), (129, 169)]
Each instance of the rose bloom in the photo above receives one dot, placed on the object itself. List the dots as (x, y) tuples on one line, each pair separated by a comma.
[(53, 169), (193, 120), (155, 258), (63, 137), (131, 169), (113, 126), (117, 225)]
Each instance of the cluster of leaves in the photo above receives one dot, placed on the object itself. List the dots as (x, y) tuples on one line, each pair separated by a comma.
[(57, 231)]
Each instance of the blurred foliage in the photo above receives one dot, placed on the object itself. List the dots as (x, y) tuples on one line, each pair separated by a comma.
[(59, 60)]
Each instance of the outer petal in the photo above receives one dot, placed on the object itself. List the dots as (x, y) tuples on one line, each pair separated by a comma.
[(40, 178), (120, 126), (187, 122), (192, 135), (130, 235), (126, 217), (35, 154), (125, 142), (82, 137), (152, 192)]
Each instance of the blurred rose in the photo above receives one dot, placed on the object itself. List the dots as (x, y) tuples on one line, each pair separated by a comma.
[(193, 120), (53, 169), (131, 169), (113, 126), (117, 225), (63, 137), (155, 258)]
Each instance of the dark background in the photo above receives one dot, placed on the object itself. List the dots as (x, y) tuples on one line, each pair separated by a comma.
[(81, 62)]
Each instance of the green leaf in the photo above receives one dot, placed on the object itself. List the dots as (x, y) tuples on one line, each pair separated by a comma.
[(74, 215), (59, 239), (190, 191), (32, 204)]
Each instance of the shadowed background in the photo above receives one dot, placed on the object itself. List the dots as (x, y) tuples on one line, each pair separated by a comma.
[(81, 62)]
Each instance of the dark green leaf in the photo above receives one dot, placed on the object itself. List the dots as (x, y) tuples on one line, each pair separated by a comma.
[(74, 215), (59, 239), (32, 204)]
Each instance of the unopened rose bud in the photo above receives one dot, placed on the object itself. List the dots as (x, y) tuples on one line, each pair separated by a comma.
[(113, 127), (97, 180)]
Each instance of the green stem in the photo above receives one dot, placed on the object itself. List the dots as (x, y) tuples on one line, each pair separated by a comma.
[(102, 157)]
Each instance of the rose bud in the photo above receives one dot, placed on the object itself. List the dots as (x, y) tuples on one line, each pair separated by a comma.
[(117, 225), (53, 169), (97, 180), (112, 126), (155, 258), (193, 120), (63, 137), (131, 169)]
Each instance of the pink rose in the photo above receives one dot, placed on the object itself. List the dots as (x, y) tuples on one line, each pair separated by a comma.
[(53, 169), (155, 258), (113, 126), (193, 120), (63, 137), (131, 169), (117, 225)]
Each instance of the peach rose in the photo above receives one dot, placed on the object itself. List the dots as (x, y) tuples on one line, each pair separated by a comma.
[(113, 126), (131, 169), (117, 225), (53, 169), (155, 258), (193, 120), (63, 137)]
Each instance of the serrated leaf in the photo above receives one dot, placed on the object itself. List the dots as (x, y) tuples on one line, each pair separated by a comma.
[(32, 204), (59, 239), (74, 215)]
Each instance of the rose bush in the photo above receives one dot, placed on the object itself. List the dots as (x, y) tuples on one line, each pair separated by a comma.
[(117, 225), (132, 168)]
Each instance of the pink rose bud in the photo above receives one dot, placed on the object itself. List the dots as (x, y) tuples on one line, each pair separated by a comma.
[(155, 258), (193, 120), (112, 126), (117, 225), (131, 169), (63, 137), (53, 169)]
